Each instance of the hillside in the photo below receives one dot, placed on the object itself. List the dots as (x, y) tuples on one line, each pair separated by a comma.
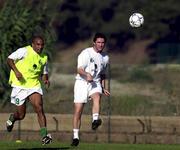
[(135, 53), (136, 88)]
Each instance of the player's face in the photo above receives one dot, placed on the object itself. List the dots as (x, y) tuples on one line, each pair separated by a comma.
[(38, 45), (99, 44)]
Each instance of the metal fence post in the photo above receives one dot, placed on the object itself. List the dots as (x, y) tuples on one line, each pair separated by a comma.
[(109, 104), (19, 130)]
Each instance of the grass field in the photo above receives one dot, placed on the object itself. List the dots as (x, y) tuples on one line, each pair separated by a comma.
[(84, 146)]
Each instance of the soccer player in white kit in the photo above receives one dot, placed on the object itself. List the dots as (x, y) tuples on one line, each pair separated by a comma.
[(90, 83)]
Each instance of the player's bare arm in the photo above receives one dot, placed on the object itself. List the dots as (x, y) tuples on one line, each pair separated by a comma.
[(103, 83), (45, 79), (18, 74), (87, 75)]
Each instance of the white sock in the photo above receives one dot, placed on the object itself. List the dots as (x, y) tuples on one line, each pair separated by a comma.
[(95, 116), (75, 133)]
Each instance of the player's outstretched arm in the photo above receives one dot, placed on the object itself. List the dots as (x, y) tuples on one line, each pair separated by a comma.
[(103, 83), (12, 65), (45, 79)]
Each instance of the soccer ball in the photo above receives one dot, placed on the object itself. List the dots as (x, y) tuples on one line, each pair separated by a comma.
[(136, 20)]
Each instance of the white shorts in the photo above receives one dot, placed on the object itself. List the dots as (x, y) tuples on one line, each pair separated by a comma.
[(18, 95), (83, 90)]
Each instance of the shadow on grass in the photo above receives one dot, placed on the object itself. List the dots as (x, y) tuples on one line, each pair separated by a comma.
[(60, 148)]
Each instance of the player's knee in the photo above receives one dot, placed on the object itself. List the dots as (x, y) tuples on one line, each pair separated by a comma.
[(21, 116), (78, 113), (38, 109)]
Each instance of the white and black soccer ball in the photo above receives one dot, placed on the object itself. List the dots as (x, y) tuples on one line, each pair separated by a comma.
[(136, 20)]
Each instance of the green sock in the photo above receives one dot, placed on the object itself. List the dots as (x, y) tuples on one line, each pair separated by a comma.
[(11, 118), (43, 131)]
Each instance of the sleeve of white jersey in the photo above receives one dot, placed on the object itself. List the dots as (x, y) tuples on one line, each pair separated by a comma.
[(45, 69), (18, 54), (82, 60)]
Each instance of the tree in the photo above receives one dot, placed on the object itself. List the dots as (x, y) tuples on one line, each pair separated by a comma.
[(79, 19), (19, 21)]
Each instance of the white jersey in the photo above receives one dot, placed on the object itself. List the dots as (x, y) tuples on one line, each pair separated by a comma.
[(93, 63), (20, 54)]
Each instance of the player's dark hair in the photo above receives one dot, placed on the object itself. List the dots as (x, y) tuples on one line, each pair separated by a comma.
[(99, 35), (37, 37)]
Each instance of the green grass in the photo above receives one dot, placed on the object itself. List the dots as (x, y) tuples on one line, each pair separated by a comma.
[(84, 146)]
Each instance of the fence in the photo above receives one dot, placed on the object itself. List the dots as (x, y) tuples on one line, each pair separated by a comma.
[(137, 91)]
